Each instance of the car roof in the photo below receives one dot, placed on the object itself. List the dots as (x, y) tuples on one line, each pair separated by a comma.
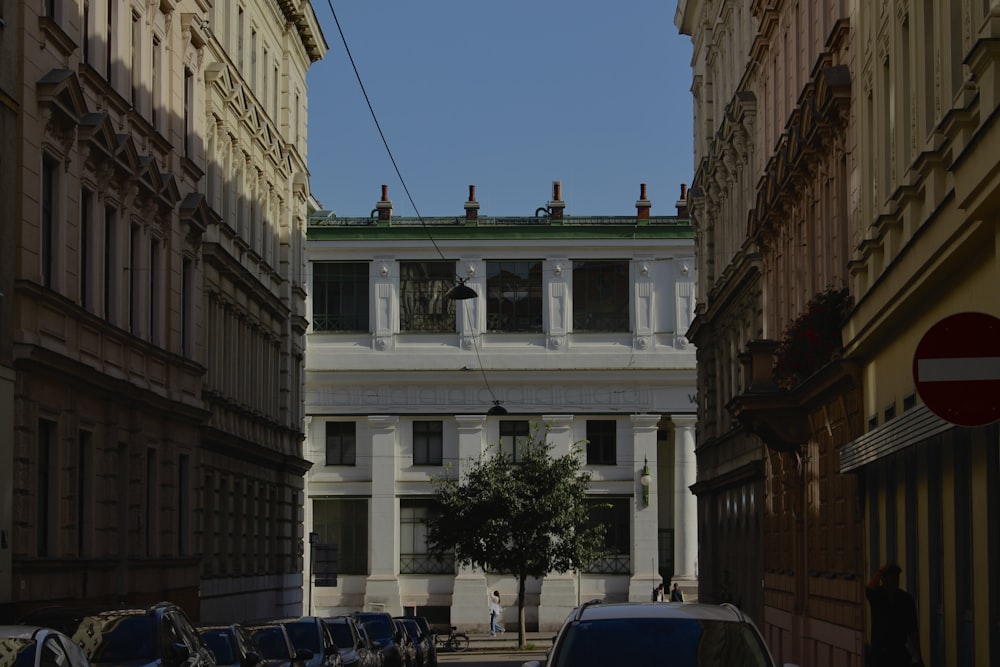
[(669, 610)]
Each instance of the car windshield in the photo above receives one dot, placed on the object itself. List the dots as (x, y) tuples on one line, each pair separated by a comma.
[(17, 652), (687, 643), (342, 636), (221, 644), (124, 638), (304, 634), (378, 627), (271, 642)]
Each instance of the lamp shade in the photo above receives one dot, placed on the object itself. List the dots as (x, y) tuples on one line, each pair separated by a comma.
[(460, 292), (496, 410)]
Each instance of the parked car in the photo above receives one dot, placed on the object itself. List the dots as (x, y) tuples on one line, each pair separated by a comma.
[(406, 643), (422, 644), (157, 636), (431, 637), (384, 633), (648, 633), (355, 648), (311, 633), (276, 647), (32, 646), (231, 645), (372, 646)]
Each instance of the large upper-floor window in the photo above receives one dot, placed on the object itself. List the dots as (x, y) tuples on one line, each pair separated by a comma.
[(428, 441), (423, 305), (600, 295), (514, 438), (514, 296), (341, 443), (340, 296), (601, 442), (344, 522)]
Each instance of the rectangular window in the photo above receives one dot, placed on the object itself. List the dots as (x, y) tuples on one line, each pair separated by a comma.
[(344, 522), (84, 455), (150, 527), (86, 211), (154, 83), (188, 111), (514, 296), (109, 47), (340, 296), (602, 446), (613, 514), (187, 301), (428, 439), (136, 60), (155, 289), (252, 79), (184, 504), (86, 31), (422, 302), (514, 437), (109, 262), (341, 443), (600, 295), (133, 280), (50, 185), (45, 469), (414, 555), (50, 9)]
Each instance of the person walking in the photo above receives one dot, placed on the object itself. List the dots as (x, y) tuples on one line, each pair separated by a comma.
[(495, 611), (895, 640), (676, 594)]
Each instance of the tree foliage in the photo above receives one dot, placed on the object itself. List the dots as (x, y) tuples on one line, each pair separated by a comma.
[(527, 518)]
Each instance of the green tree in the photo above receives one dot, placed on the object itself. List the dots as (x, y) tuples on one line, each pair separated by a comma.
[(527, 518)]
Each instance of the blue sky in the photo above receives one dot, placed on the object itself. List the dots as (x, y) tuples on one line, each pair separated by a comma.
[(508, 96)]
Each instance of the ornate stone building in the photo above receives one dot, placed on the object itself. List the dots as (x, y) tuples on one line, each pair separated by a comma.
[(771, 209), (157, 303), (578, 327)]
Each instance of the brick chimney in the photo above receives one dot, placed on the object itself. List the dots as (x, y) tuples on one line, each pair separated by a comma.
[(643, 205), (384, 206), (682, 203), (472, 206), (557, 205)]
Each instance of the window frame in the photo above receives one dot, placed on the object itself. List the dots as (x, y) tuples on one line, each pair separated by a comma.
[(428, 440), (514, 436), (505, 307), (328, 308), (348, 457), (602, 442), (594, 312), (422, 293)]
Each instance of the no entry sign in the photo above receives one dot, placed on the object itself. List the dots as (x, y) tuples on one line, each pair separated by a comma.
[(956, 369)]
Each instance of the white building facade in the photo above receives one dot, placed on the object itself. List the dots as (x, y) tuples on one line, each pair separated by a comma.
[(577, 329)]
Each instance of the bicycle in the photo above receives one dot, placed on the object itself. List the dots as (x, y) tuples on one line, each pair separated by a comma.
[(453, 641)]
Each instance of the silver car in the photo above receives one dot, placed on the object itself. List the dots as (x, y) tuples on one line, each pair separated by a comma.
[(32, 646), (651, 633)]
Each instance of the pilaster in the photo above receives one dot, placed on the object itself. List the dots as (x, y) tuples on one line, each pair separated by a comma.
[(468, 599), (685, 505), (645, 520), (382, 590)]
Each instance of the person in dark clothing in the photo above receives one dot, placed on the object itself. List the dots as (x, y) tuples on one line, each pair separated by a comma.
[(894, 637)]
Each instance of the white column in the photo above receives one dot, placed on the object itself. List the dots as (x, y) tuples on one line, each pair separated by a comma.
[(558, 595), (685, 505), (382, 590), (645, 517), (468, 599)]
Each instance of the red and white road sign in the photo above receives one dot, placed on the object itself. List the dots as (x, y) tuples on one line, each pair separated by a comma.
[(956, 369)]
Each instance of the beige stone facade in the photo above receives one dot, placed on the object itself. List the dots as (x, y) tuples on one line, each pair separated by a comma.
[(157, 304)]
